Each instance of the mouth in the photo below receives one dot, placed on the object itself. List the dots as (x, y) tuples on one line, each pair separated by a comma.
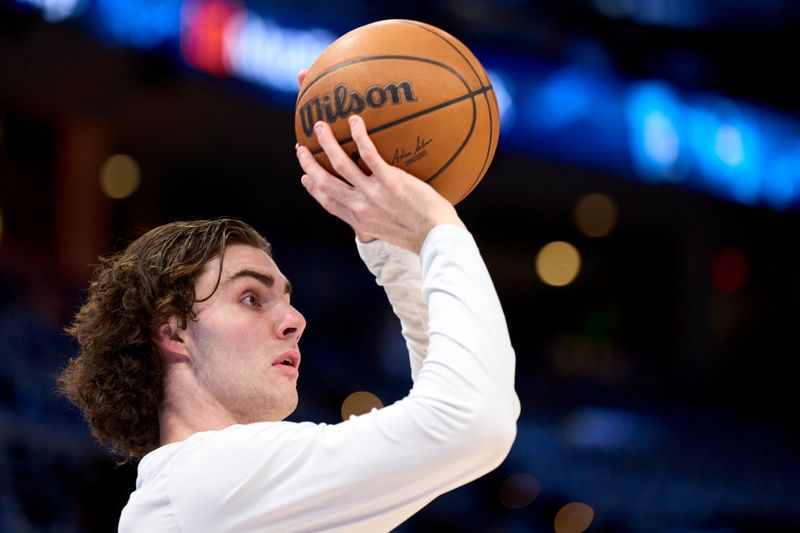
[(290, 359)]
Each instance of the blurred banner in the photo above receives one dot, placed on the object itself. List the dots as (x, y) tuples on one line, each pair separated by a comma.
[(643, 129)]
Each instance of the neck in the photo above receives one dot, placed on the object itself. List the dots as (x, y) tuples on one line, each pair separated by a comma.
[(188, 408)]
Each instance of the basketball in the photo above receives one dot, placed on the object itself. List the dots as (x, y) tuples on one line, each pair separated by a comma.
[(427, 103)]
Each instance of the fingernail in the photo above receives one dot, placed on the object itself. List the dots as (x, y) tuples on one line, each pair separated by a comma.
[(318, 127), (304, 180), (296, 146), (352, 120)]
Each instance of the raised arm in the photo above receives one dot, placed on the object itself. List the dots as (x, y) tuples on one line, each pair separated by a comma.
[(398, 271)]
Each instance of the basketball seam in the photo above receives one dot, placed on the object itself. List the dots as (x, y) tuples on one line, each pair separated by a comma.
[(469, 94), (454, 47), (371, 58), (460, 148), (480, 81), (441, 105)]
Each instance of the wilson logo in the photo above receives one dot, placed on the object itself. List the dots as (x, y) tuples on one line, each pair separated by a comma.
[(342, 102)]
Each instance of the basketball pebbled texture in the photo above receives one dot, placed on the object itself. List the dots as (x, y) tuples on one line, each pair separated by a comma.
[(427, 102)]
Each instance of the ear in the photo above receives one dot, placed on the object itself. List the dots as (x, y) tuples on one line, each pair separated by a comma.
[(168, 336)]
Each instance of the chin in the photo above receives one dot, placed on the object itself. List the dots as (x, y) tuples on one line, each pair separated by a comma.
[(289, 409), (278, 413)]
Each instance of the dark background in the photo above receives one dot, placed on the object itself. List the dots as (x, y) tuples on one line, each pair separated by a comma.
[(648, 394)]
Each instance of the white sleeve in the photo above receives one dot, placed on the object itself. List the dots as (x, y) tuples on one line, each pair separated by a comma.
[(398, 271), (371, 472)]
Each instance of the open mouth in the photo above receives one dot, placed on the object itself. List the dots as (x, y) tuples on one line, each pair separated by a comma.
[(290, 359)]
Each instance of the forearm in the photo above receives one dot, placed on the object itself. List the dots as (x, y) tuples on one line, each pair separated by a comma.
[(465, 335), (398, 271), (469, 372)]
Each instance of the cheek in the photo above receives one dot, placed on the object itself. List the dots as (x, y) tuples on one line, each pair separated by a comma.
[(227, 361), (228, 341)]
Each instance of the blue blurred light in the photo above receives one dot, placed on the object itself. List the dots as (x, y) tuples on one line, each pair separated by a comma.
[(564, 98), (782, 181), (570, 114), (661, 141), (607, 429), (56, 10), (140, 23), (503, 89), (677, 13), (653, 113), (262, 52), (727, 147)]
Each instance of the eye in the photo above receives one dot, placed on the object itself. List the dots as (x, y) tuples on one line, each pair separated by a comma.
[(251, 300)]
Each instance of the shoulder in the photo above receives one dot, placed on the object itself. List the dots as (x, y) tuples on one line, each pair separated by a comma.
[(210, 466), (261, 438)]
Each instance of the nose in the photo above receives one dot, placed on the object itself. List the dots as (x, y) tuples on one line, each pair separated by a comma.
[(292, 324)]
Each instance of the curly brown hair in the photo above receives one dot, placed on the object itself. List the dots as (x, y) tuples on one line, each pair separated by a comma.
[(117, 377)]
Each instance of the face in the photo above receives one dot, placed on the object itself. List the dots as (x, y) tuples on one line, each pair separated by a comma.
[(244, 343)]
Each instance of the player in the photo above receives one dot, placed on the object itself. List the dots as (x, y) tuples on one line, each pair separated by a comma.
[(190, 355)]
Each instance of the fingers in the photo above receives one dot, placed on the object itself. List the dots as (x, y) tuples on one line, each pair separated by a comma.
[(326, 200), (301, 76), (333, 194), (340, 161), (347, 201), (366, 149)]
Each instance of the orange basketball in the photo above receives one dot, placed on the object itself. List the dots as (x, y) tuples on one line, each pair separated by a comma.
[(427, 102)]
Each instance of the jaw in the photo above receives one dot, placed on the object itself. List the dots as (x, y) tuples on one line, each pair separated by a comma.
[(271, 407)]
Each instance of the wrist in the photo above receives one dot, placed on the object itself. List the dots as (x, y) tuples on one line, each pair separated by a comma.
[(365, 238), (446, 217)]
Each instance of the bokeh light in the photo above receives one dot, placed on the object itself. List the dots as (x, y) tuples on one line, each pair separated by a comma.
[(574, 517), (596, 214), (58, 10), (729, 270), (359, 403), (519, 490), (558, 263), (120, 176)]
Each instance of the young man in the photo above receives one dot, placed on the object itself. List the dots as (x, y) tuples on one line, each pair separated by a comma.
[(190, 354)]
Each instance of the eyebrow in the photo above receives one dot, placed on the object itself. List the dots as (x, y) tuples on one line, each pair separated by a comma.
[(265, 279)]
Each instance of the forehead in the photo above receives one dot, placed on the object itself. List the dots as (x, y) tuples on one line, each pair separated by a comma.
[(243, 254), (239, 257)]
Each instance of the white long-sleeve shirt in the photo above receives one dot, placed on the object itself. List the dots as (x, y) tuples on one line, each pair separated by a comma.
[(373, 471)]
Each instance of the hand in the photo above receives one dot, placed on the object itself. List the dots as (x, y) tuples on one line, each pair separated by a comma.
[(388, 204), (363, 237)]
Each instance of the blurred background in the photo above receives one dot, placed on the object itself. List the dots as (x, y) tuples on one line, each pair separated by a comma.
[(640, 221)]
